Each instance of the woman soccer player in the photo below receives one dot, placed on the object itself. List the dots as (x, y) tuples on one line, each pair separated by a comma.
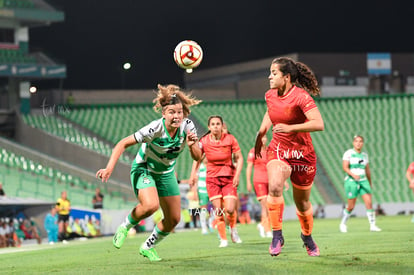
[(222, 176), (293, 114), (357, 182), (152, 171)]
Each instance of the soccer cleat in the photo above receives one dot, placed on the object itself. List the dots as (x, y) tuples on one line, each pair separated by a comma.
[(150, 253), (311, 247), (120, 236), (343, 228), (374, 228), (204, 231), (276, 246), (235, 236), (261, 230), (223, 243), (269, 234)]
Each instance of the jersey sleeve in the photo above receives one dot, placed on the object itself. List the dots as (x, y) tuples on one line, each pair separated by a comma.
[(250, 156), (148, 132), (234, 145), (347, 155), (201, 144), (306, 102)]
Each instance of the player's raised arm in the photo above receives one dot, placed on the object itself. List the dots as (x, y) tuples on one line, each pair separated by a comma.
[(119, 148)]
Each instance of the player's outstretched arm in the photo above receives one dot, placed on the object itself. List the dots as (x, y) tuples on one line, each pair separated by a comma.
[(119, 148)]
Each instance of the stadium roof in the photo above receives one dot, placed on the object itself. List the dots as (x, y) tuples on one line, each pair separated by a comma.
[(31, 13)]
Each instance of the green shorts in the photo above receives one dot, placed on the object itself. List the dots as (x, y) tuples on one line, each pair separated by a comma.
[(141, 178), (202, 196), (355, 188)]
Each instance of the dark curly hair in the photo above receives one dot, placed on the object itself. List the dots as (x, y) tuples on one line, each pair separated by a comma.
[(300, 74)]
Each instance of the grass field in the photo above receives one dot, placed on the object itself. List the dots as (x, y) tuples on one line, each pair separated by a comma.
[(358, 251)]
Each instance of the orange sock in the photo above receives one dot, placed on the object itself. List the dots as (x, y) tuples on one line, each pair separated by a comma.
[(266, 224), (242, 220), (221, 227), (306, 221), (275, 206), (232, 219)]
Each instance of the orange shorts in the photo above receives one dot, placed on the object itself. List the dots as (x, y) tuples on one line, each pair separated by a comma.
[(261, 189), (303, 168), (221, 187)]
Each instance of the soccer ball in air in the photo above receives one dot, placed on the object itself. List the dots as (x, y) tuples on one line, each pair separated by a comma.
[(188, 55)]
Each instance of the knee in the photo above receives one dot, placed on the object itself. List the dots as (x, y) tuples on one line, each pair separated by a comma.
[(150, 208), (230, 211), (172, 221), (276, 187)]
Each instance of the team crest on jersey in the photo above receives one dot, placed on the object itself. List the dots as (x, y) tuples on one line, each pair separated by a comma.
[(146, 180)]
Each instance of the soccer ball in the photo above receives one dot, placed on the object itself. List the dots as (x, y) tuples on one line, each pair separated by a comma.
[(188, 55)]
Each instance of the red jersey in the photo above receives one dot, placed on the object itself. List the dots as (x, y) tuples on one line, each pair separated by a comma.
[(219, 154), (259, 165), (290, 109), (411, 168)]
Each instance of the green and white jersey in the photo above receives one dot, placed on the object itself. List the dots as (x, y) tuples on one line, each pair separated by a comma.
[(158, 150), (202, 174), (357, 163)]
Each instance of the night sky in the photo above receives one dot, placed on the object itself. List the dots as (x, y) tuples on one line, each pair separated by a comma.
[(98, 36)]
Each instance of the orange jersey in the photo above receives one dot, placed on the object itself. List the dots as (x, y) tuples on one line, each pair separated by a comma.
[(259, 165), (219, 154), (290, 109)]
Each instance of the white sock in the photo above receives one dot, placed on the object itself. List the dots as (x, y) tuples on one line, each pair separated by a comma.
[(345, 216), (203, 219), (155, 238), (129, 222), (371, 216)]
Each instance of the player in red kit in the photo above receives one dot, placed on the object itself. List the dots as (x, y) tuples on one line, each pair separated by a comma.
[(222, 176), (292, 113)]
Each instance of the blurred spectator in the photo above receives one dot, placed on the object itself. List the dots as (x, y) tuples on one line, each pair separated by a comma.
[(30, 231), (91, 230), (76, 230), (319, 212), (97, 200), (2, 193), (379, 211), (3, 238), (185, 214), (97, 225), (51, 226), (244, 216), (14, 238)]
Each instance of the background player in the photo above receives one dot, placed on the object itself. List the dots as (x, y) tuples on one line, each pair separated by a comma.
[(222, 176), (357, 182)]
